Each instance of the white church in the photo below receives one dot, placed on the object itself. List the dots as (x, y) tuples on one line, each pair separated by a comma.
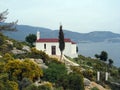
[(51, 46)]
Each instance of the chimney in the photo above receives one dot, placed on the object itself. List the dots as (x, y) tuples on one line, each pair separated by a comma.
[(38, 35)]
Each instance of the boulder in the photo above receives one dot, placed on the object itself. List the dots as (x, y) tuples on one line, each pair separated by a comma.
[(86, 82), (39, 61), (9, 42), (0, 56), (43, 66), (16, 51), (27, 48)]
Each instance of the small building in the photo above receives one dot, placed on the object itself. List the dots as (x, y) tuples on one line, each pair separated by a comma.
[(51, 46)]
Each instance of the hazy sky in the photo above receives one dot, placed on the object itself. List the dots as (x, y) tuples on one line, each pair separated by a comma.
[(75, 15)]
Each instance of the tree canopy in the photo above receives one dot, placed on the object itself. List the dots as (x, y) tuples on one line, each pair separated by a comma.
[(61, 40), (31, 38), (110, 62), (6, 26), (103, 56)]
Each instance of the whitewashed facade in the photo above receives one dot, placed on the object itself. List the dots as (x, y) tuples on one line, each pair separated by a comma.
[(51, 46)]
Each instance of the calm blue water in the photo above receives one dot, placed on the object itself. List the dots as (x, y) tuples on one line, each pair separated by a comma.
[(90, 49)]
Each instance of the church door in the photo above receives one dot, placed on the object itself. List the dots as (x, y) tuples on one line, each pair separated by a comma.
[(53, 49)]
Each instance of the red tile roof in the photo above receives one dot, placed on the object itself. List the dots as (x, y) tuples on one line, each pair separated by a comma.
[(73, 42), (53, 40)]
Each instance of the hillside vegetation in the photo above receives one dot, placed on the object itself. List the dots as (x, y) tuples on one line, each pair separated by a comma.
[(89, 67), (25, 68), (30, 69)]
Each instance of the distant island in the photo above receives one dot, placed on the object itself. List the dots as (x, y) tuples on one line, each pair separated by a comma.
[(95, 36)]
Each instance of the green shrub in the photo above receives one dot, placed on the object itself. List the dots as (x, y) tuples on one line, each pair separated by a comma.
[(31, 87), (5, 84), (18, 45), (72, 81), (5, 48), (75, 81), (58, 88), (89, 63), (38, 54), (22, 69), (2, 64), (24, 83), (54, 72), (11, 85), (88, 74), (2, 39), (94, 88), (7, 57), (45, 86), (76, 69)]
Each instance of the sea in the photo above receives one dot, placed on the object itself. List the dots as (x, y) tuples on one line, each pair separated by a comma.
[(89, 49)]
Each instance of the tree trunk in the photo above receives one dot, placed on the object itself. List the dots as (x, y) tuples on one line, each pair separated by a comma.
[(61, 56)]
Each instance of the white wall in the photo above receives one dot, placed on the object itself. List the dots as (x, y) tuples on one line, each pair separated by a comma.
[(67, 50), (73, 51), (73, 48), (70, 49), (40, 46)]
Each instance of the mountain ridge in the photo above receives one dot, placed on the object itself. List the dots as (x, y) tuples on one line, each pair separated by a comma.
[(94, 36)]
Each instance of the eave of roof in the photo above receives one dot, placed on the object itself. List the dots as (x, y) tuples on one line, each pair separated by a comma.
[(54, 40)]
